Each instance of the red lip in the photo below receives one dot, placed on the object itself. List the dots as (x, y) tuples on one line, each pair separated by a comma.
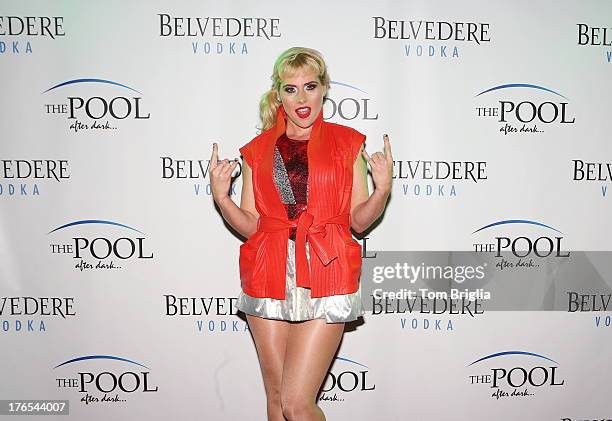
[(303, 112)]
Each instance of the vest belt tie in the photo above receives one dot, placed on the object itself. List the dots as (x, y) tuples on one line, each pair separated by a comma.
[(306, 229)]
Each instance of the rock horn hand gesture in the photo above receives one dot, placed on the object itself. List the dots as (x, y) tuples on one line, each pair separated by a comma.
[(381, 166), (220, 172)]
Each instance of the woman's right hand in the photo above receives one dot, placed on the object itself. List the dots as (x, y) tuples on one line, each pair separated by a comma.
[(220, 173)]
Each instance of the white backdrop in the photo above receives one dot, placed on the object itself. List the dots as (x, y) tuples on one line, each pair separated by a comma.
[(109, 111)]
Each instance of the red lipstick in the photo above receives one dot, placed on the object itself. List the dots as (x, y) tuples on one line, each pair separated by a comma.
[(303, 112)]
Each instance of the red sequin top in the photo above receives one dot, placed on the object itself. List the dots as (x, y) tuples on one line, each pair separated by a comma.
[(292, 180)]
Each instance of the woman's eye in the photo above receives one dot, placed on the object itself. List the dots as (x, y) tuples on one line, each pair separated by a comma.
[(289, 90), (311, 87)]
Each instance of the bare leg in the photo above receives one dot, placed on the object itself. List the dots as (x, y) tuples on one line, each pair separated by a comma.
[(270, 341), (311, 346)]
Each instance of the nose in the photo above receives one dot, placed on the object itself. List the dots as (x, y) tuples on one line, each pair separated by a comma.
[(301, 97)]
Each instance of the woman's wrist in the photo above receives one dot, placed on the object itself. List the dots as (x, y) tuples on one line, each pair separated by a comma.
[(222, 202), (382, 192)]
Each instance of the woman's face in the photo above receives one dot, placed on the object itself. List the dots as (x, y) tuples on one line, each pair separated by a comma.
[(302, 96)]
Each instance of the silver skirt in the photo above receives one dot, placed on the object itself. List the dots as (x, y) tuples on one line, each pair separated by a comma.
[(298, 305)]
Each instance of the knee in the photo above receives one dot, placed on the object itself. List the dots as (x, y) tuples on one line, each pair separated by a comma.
[(273, 395), (295, 407)]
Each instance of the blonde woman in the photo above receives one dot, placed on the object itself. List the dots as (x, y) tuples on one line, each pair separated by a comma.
[(304, 185)]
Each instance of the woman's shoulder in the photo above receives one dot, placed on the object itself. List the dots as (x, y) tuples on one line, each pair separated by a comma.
[(341, 129), (250, 150), (257, 140), (346, 135)]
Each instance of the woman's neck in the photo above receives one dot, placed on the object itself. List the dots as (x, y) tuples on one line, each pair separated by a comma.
[(297, 133)]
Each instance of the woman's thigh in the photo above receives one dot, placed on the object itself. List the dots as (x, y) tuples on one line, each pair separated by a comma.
[(270, 341), (311, 346)]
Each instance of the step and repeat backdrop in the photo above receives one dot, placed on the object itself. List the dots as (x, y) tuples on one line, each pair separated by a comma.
[(487, 281)]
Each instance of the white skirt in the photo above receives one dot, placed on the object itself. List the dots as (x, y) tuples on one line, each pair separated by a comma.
[(298, 305)]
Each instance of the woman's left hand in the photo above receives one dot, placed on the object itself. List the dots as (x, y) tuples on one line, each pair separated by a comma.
[(381, 166)]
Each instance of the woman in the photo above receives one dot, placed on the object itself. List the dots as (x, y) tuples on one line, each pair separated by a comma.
[(304, 184)]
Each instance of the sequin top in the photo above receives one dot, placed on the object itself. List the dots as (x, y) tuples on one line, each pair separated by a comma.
[(291, 176)]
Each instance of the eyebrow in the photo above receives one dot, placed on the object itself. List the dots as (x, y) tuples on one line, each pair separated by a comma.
[(289, 84)]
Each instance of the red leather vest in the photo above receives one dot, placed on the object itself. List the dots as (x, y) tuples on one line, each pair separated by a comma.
[(335, 257)]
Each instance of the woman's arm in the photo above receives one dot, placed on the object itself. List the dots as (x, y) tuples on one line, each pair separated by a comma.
[(366, 209), (244, 218)]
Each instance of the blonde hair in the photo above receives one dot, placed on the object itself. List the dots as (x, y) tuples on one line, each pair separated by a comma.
[(290, 61)]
